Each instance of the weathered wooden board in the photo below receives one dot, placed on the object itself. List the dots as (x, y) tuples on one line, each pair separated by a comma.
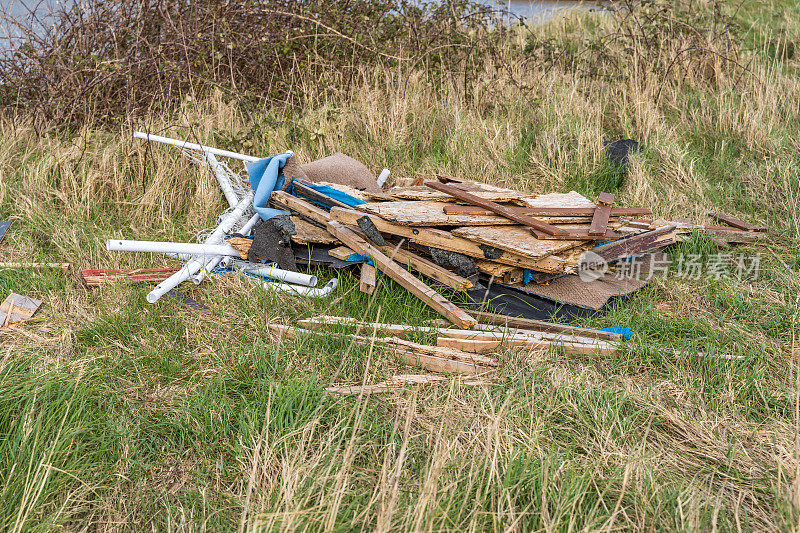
[(736, 223), (482, 190), (557, 199), (341, 253), (499, 209), (398, 274), (427, 268), (308, 233), (515, 239), (580, 214), (17, 307), (427, 213), (366, 283), (447, 241), (493, 319), (601, 214)]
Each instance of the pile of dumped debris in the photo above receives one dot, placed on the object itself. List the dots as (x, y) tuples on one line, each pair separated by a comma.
[(509, 258)]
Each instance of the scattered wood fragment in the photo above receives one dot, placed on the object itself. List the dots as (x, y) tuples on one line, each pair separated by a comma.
[(341, 253), (448, 241), (401, 276), (491, 345), (96, 277), (16, 308), (242, 244), (554, 212), (57, 266), (514, 239), (398, 382), (367, 280), (601, 214), (485, 318), (308, 233), (427, 268), (736, 223), (433, 358), (302, 207), (496, 208), (637, 244), (479, 341)]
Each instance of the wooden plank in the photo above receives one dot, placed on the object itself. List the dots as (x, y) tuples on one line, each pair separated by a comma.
[(569, 212), (601, 214), (16, 308), (427, 268), (57, 266), (515, 239), (435, 358), (96, 277), (302, 189), (495, 319), (503, 273), (429, 214), (489, 333), (637, 244), (447, 241), (302, 207), (495, 208), (308, 233), (341, 253), (416, 192), (485, 346), (735, 222), (404, 278), (393, 383), (367, 281)]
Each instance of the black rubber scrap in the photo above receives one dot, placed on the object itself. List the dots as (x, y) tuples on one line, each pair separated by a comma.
[(619, 151), (272, 243), (460, 264), (371, 231)]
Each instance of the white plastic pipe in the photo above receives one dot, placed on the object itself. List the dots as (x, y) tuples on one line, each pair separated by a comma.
[(299, 290), (194, 146), (244, 229), (247, 228), (222, 179), (383, 177), (171, 247), (193, 266), (272, 271)]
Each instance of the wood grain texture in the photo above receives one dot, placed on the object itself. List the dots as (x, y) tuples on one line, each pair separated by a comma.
[(515, 239), (499, 209), (601, 214), (410, 282)]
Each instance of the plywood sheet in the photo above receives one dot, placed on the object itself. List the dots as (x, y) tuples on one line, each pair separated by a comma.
[(515, 239), (308, 233), (557, 199), (421, 192)]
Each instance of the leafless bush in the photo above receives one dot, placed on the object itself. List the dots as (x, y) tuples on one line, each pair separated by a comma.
[(103, 60)]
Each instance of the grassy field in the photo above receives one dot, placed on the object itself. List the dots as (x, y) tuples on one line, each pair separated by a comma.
[(120, 415)]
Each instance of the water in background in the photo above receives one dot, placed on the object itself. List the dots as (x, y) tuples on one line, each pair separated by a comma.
[(534, 11)]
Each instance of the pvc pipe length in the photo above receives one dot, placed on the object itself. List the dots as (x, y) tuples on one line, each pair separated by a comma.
[(193, 266), (299, 290), (271, 271), (194, 146), (222, 179), (171, 247)]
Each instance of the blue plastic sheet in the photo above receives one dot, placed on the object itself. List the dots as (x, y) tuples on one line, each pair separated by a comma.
[(266, 176)]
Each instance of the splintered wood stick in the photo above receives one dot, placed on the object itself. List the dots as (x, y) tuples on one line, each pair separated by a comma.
[(410, 282), (601, 214), (62, 266), (496, 208)]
